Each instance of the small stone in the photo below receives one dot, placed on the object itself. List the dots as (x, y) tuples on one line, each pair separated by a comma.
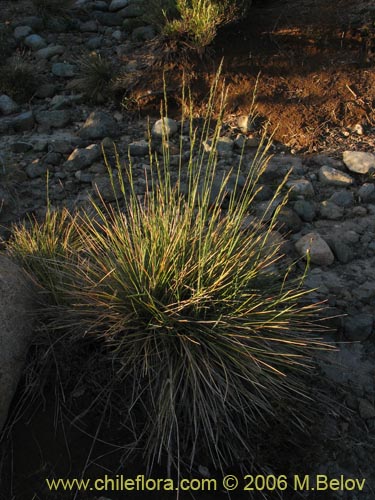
[(164, 126), (333, 177), (305, 209), (117, 35), (118, 5), (23, 122), (359, 162), (21, 147), (330, 211), (143, 33), (95, 42), (359, 211), (90, 26), (46, 90), (366, 193), (358, 327), (300, 187), (357, 129), (342, 199), (7, 105), (108, 18), (50, 51), (242, 142), (83, 157), (139, 148), (132, 10), (317, 247), (63, 70), (245, 123), (22, 32), (288, 221), (64, 101), (34, 42), (366, 409), (53, 119), (98, 125), (342, 251), (36, 169), (109, 189)]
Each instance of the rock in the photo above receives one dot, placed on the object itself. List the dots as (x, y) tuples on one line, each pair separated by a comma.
[(7, 105), (83, 157), (108, 18), (46, 90), (53, 118), (22, 32), (166, 126), (242, 142), (317, 247), (117, 5), (288, 220), (366, 193), (245, 123), (305, 209), (107, 190), (358, 327), (63, 70), (342, 199), (90, 26), (20, 147), (300, 187), (98, 125), (366, 409), (95, 42), (35, 22), (16, 320), (143, 33), (359, 162), (279, 166), (50, 51), (65, 101), (36, 169), (34, 42), (342, 250), (132, 10), (23, 122), (329, 210), (139, 148), (333, 177)]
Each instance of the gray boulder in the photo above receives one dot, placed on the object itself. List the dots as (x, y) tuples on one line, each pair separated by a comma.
[(98, 125), (16, 329)]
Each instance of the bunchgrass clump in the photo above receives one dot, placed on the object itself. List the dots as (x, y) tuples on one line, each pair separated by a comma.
[(197, 23), (53, 8), (204, 331), (95, 78), (18, 80), (42, 247)]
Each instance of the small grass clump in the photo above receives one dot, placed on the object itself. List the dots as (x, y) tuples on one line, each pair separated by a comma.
[(204, 335), (42, 247), (7, 42), (53, 8), (95, 79), (18, 80)]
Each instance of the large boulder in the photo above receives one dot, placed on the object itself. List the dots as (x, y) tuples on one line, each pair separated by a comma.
[(16, 329)]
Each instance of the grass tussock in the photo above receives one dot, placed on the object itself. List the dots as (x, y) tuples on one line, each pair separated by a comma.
[(18, 80), (204, 331), (95, 79), (53, 8)]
